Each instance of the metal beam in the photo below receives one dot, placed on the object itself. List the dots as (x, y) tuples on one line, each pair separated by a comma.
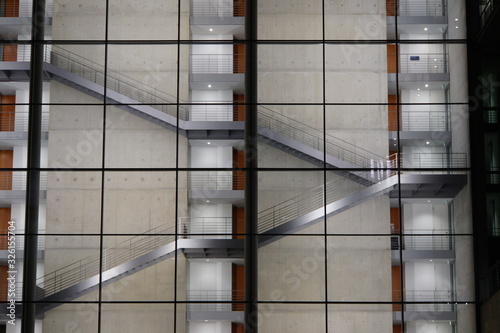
[(251, 165), (33, 178)]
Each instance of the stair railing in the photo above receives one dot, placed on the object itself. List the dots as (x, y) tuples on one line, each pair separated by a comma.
[(127, 86), (313, 138), (113, 256)]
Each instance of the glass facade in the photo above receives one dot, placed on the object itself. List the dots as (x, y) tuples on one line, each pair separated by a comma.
[(364, 209)]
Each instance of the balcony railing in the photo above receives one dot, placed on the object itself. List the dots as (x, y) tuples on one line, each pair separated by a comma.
[(422, 8), (16, 180), (427, 239), (434, 161), (15, 9), (215, 300), (19, 240), (419, 62), (420, 121), (206, 227), (426, 300), (18, 121), (216, 63), (216, 180), (217, 8)]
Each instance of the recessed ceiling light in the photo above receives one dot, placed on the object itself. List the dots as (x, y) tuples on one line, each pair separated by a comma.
[(425, 29), (431, 260), (210, 86), (211, 29), (426, 85), (418, 95), (456, 27), (208, 142), (418, 89), (427, 142), (456, 19)]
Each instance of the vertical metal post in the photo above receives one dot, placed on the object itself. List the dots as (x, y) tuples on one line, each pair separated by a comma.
[(33, 167), (251, 157)]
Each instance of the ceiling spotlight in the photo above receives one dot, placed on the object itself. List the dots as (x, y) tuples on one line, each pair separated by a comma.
[(456, 27), (425, 29), (426, 85), (427, 142), (210, 86), (418, 89), (456, 19), (211, 29), (208, 142)]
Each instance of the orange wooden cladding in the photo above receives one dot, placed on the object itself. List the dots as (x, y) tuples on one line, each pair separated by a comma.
[(390, 7), (6, 159), (392, 109), (238, 286), (237, 328), (395, 219), (3, 283), (396, 329), (239, 58), (239, 8), (4, 224), (238, 222), (238, 176), (238, 109), (396, 287), (9, 53), (391, 58), (11, 8), (7, 113)]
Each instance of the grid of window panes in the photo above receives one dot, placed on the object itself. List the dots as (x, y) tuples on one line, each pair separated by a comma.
[(364, 212)]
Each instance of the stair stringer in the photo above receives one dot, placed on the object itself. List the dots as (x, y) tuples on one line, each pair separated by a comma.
[(333, 208)]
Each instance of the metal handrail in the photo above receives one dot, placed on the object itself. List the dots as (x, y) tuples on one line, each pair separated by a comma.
[(216, 180), (206, 227), (217, 8), (311, 200), (420, 121), (18, 121), (429, 8), (216, 300), (20, 240), (117, 82), (15, 9), (112, 256), (428, 239), (419, 62), (308, 136), (216, 63), (16, 180)]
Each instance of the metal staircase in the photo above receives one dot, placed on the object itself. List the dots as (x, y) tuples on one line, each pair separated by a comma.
[(142, 251), (153, 246), (161, 108)]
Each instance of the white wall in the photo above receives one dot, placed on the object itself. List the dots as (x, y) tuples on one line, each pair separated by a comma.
[(208, 112), (210, 327), (211, 218), (427, 276), (209, 275), (426, 327), (425, 217)]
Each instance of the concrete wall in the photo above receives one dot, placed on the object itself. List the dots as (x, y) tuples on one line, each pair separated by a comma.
[(134, 202)]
